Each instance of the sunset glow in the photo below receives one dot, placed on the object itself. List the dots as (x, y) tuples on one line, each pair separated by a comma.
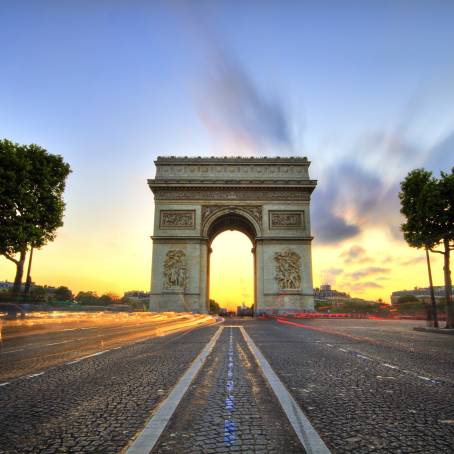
[(169, 84)]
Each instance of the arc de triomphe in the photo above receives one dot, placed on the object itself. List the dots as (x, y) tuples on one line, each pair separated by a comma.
[(267, 199)]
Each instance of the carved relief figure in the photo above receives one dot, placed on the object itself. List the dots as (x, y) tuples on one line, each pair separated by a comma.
[(286, 219), (288, 269), (177, 219), (175, 273)]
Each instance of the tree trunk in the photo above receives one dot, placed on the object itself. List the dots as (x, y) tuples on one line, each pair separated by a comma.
[(432, 295), (448, 287), (19, 273), (28, 281)]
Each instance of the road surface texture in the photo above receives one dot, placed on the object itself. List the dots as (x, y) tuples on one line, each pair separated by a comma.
[(96, 404), (229, 408), (366, 386), (45, 340)]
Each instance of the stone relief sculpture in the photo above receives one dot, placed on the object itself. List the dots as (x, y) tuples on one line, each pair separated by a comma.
[(288, 269), (286, 219), (254, 210), (175, 272), (178, 219)]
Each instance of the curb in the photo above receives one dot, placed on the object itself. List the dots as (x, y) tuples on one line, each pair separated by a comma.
[(434, 330)]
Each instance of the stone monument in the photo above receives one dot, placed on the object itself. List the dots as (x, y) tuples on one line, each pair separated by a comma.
[(268, 199)]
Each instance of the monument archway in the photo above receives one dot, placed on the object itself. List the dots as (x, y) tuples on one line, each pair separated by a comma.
[(267, 199)]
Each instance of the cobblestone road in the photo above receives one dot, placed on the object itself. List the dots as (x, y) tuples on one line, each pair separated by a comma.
[(96, 404), (229, 408), (375, 392), (366, 386)]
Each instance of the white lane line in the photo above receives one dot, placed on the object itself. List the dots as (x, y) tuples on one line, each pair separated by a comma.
[(4, 383), (390, 366), (343, 350), (57, 343), (86, 357), (12, 351), (306, 433), (34, 375), (146, 439), (363, 357)]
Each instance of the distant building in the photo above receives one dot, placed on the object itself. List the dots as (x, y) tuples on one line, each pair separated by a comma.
[(137, 296), (327, 294), (423, 294), (6, 286)]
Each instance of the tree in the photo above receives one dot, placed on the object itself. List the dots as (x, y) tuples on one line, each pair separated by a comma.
[(63, 293), (108, 298), (428, 205), (32, 182), (214, 307), (87, 298), (407, 299)]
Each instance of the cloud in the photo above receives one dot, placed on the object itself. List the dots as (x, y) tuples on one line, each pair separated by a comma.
[(361, 286), (238, 114), (365, 272), (413, 261), (356, 254), (329, 275)]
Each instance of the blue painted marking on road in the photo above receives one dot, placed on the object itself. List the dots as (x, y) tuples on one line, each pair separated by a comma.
[(229, 424)]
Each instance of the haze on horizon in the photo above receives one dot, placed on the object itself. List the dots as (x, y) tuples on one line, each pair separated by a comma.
[(366, 91)]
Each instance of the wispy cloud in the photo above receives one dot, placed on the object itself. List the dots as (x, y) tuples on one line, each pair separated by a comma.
[(362, 286), (369, 271), (355, 254), (329, 275), (239, 115)]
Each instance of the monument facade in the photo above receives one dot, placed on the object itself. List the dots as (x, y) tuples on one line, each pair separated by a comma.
[(268, 199)]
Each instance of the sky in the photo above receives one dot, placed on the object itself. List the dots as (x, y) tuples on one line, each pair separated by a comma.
[(365, 90)]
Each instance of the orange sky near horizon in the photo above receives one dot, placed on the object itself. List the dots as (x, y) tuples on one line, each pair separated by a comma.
[(117, 257)]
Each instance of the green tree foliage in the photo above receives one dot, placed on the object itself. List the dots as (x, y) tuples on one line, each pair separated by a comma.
[(87, 298), (32, 182), (406, 299), (108, 298), (63, 293), (214, 307), (428, 206)]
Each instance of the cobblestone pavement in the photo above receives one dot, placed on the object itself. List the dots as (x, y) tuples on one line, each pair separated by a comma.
[(96, 404), (366, 391), (33, 348), (229, 408)]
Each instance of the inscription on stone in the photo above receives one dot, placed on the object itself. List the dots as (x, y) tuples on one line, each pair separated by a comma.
[(287, 269), (286, 219), (177, 219)]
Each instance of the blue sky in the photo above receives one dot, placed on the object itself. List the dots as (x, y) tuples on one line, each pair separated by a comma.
[(364, 89)]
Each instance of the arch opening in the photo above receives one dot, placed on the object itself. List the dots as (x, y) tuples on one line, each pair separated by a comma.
[(232, 272), (232, 221)]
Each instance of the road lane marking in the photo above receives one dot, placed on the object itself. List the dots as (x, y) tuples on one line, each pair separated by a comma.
[(390, 366), (57, 343), (34, 375), (12, 351), (363, 357), (147, 439), (306, 433), (88, 356), (5, 383), (229, 424)]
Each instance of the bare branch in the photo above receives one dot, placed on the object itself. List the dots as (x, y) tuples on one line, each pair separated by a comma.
[(11, 258), (437, 252)]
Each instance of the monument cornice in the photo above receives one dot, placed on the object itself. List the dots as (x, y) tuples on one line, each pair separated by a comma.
[(199, 160), (309, 185)]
